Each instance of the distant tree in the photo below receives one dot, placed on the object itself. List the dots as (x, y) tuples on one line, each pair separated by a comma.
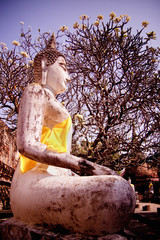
[(113, 96), (16, 72)]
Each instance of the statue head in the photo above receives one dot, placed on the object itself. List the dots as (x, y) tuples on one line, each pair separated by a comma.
[(50, 67)]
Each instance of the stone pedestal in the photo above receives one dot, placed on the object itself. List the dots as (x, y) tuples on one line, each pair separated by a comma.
[(13, 229)]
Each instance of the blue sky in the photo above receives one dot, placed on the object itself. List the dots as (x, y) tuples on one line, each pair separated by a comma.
[(49, 15)]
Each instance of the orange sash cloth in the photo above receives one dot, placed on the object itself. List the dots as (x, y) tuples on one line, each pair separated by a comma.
[(55, 139)]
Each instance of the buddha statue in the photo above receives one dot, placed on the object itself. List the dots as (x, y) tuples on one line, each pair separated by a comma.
[(46, 188)]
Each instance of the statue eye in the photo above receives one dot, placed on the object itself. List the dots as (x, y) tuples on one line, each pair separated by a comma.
[(63, 66)]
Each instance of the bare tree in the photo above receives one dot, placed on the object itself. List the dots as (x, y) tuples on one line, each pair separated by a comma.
[(113, 97), (16, 72), (114, 91)]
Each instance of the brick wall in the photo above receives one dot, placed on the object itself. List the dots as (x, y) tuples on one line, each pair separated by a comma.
[(8, 149), (8, 163)]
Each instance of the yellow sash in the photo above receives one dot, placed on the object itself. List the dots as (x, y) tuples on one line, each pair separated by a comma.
[(55, 139)]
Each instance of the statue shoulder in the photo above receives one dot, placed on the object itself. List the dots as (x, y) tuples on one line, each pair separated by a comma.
[(34, 88), (33, 99), (34, 93)]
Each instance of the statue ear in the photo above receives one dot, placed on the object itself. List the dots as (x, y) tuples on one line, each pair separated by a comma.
[(44, 71)]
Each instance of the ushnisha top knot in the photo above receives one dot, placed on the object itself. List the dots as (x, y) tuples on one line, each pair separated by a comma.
[(51, 43), (50, 53)]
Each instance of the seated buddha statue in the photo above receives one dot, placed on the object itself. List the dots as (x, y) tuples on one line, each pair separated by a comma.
[(46, 188)]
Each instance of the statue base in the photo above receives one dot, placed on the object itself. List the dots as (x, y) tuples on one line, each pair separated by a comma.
[(14, 229)]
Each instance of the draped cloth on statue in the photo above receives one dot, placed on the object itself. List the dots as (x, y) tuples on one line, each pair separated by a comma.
[(55, 139)]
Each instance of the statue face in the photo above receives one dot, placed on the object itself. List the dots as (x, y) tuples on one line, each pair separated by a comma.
[(57, 75)]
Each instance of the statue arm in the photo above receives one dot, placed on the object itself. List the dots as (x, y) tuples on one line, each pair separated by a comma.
[(30, 122), (29, 129)]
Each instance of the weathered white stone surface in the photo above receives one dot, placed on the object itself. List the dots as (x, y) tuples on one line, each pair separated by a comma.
[(94, 205)]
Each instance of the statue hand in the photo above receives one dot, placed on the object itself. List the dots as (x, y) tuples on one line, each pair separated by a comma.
[(89, 168), (86, 167)]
